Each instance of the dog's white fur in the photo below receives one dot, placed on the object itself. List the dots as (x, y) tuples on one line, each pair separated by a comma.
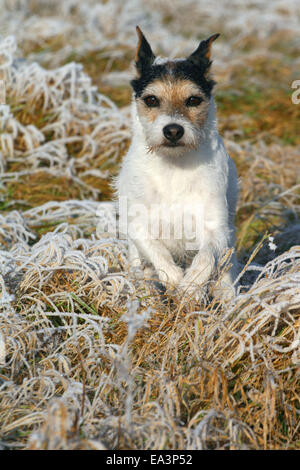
[(204, 179)]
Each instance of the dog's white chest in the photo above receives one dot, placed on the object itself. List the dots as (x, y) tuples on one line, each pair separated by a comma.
[(175, 186), (179, 203)]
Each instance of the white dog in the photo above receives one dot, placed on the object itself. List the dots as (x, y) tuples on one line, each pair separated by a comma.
[(177, 187)]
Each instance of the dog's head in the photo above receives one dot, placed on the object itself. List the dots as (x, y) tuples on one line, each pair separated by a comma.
[(172, 97)]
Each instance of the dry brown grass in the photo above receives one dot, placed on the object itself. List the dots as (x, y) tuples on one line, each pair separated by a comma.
[(235, 364)]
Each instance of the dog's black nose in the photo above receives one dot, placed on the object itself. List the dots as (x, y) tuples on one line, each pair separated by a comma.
[(173, 132)]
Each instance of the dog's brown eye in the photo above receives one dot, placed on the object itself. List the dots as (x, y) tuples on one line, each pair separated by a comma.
[(151, 101), (194, 101)]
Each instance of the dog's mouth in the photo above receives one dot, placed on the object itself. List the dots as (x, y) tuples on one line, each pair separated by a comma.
[(172, 144)]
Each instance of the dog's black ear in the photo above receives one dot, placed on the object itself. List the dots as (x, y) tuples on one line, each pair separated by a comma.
[(144, 57), (201, 56)]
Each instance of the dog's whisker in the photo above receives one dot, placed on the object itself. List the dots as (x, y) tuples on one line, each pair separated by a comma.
[(151, 149)]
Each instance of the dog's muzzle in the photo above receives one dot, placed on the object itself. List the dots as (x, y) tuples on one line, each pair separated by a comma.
[(173, 132)]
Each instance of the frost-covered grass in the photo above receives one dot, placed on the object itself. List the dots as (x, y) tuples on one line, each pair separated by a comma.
[(89, 357)]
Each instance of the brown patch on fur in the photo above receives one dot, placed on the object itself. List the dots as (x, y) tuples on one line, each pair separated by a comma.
[(171, 65), (210, 41), (172, 95)]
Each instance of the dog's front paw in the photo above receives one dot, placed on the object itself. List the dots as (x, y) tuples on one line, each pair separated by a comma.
[(135, 271), (172, 276), (188, 287), (192, 290), (224, 292)]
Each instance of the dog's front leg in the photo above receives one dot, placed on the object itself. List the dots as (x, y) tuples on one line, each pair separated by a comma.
[(136, 265), (159, 256), (224, 287), (198, 273), (201, 269)]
